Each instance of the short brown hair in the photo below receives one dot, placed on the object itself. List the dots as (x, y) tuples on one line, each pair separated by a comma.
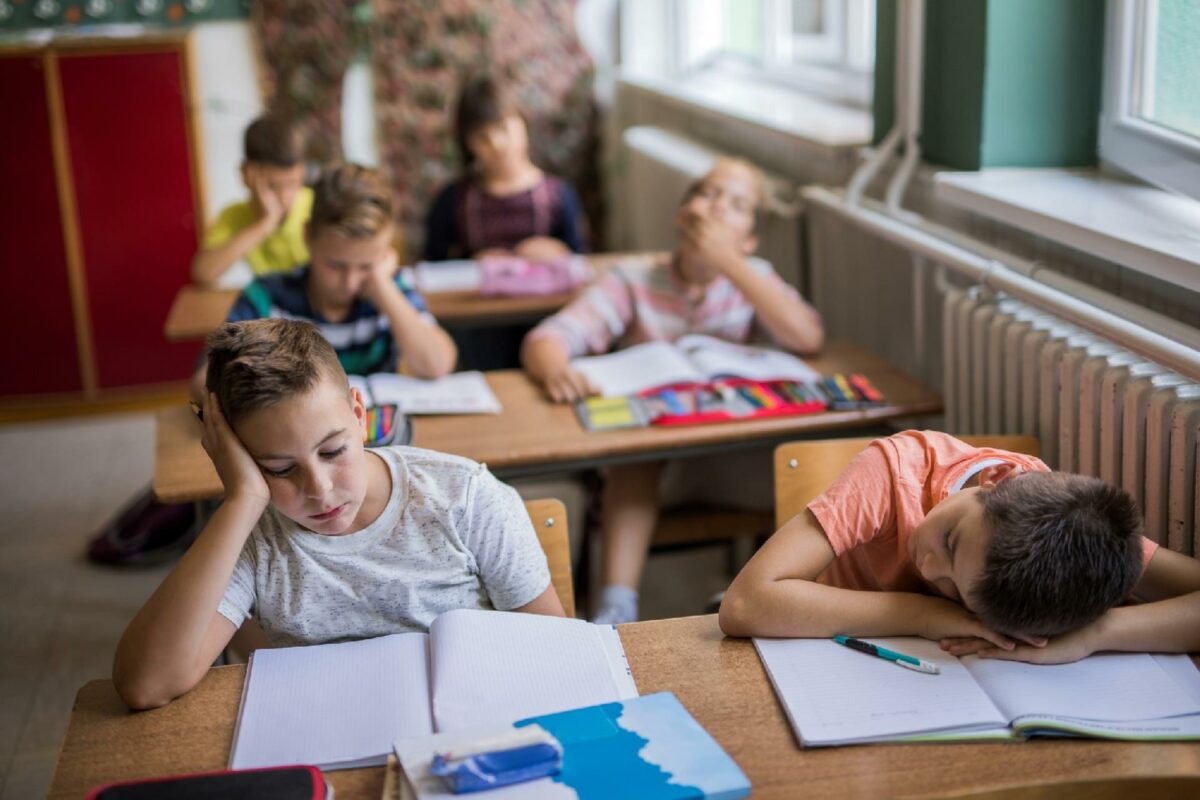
[(258, 363), (355, 200), (1065, 548), (273, 140), (482, 101)]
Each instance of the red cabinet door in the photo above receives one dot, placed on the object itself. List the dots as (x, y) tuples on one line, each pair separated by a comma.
[(38, 350), (127, 137)]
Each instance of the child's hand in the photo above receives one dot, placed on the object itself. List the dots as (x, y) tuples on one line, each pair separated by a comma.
[(1063, 649), (383, 277), (268, 202), (970, 645), (568, 385), (238, 472), (492, 252), (541, 249), (709, 238), (941, 619)]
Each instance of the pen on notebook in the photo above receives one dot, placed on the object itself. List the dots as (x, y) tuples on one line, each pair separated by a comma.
[(909, 662)]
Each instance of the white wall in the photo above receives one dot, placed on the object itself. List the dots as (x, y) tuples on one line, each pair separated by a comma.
[(227, 95)]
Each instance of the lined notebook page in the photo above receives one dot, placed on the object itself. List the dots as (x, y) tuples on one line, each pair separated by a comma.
[(1108, 686), (497, 667), (835, 695), (456, 393), (336, 706)]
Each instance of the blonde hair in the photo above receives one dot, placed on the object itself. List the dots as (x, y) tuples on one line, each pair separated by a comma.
[(258, 363), (353, 200)]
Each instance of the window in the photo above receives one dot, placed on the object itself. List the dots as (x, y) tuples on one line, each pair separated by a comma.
[(822, 46), (1151, 121)]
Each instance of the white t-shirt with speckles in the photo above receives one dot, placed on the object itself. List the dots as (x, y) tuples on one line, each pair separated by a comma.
[(451, 536)]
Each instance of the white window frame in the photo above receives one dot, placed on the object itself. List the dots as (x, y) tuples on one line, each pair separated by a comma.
[(1152, 152), (835, 63)]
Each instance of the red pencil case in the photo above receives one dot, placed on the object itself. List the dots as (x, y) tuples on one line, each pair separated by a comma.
[(272, 783), (734, 399)]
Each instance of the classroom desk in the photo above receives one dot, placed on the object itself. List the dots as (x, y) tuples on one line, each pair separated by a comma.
[(534, 436), (196, 311), (719, 680)]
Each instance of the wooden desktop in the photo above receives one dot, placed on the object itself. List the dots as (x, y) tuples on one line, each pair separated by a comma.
[(719, 680), (534, 436)]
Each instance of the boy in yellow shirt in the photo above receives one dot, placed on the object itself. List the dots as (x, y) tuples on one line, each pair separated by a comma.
[(266, 231)]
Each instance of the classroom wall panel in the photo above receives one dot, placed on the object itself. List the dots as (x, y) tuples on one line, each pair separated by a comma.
[(37, 329), (127, 131)]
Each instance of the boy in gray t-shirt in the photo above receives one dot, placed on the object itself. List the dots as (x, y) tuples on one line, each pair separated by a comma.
[(320, 538)]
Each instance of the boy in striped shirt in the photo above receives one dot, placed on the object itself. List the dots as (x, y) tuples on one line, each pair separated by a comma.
[(370, 312), (710, 284)]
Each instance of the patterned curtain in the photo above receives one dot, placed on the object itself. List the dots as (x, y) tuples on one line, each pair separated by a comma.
[(307, 46), (422, 50)]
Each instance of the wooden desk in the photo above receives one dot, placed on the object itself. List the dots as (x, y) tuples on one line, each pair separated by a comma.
[(532, 435), (196, 312), (719, 680)]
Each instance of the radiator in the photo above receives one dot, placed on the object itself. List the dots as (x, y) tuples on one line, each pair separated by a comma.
[(660, 166), (1096, 408)]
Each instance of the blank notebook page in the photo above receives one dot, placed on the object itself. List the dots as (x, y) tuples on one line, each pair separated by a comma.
[(1108, 686), (835, 695), (497, 667), (339, 705)]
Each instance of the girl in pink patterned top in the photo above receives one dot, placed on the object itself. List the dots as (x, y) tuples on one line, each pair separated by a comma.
[(710, 284)]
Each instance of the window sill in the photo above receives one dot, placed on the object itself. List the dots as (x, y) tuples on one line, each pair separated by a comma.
[(813, 120), (1117, 219)]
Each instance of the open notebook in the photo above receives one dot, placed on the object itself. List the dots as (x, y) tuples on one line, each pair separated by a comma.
[(456, 393), (834, 695), (690, 359), (341, 706)]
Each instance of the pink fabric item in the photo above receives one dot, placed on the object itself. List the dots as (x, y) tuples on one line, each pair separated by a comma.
[(516, 277)]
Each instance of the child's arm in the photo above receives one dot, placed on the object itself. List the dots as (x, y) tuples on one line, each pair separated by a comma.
[(211, 262), (541, 248), (547, 604), (792, 323), (775, 595), (547, 362), (1168, 622), (171, 642), (427, 351)]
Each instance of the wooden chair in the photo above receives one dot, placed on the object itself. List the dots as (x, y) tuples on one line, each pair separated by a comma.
[(805, 469), (550, 521), (1175, 787)]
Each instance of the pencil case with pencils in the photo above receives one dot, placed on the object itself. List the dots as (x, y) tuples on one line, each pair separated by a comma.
[(748, 399), (387, 425)]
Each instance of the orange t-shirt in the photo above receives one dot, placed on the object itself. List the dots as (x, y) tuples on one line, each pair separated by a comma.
[(874, 506)]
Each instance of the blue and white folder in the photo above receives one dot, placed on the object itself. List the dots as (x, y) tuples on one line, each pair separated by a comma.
[(645, 747)]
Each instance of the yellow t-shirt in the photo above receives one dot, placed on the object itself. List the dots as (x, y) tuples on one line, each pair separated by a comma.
[(283, 250)]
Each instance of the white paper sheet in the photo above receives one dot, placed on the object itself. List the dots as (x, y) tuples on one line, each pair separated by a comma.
[(338, 706), (638, 368), (835, 695), (716, 358), (456, 393), (1113, 687), (496, 667), (448, 276)]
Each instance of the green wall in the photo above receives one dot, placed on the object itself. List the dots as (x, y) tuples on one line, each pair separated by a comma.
[(1007, 82)]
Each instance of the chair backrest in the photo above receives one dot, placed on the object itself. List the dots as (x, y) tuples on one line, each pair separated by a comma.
[(805, 469), (550, 521)]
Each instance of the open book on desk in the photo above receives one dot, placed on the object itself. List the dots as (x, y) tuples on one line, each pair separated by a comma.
[(834, 695), (341, 706), (690, 359), (456, 393)]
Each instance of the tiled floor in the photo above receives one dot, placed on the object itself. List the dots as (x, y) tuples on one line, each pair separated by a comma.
[(60, 617)]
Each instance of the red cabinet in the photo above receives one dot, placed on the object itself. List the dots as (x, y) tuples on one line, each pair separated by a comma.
[(101, 213)]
